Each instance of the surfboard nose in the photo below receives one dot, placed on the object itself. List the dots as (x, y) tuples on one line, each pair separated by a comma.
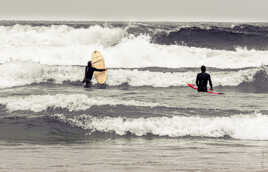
[(96, 53)]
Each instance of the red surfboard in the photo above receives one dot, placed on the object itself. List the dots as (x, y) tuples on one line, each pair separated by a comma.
[(211, 92)]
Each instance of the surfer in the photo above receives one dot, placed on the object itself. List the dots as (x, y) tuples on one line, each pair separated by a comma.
[(89, 70), (202, 80)]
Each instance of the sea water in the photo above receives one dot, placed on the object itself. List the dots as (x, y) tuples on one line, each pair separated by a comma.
[(146, 119)]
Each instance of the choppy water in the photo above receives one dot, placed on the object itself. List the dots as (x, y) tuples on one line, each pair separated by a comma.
[(146, 119)]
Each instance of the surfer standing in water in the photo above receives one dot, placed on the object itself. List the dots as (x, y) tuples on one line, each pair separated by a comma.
[(202, 80), (89, 70)]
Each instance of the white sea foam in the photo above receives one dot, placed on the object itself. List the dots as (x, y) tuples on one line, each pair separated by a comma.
[(58, 45), (166, 79), (63, 45), (73, 102), (140, 52), (58, 35), (22, 73), (251, 126)]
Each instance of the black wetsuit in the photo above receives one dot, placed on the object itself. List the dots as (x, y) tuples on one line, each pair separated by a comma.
[(202, 81), (89, 73)]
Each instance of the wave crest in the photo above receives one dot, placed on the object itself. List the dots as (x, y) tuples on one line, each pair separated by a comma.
[(20, 74), (215, 38), (251, 126), (73, 102)]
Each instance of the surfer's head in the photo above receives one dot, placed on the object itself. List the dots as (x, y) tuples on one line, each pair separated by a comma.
[(89, 64), (203, 68)]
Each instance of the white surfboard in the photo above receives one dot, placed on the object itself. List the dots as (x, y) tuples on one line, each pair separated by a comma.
[(97, 61)]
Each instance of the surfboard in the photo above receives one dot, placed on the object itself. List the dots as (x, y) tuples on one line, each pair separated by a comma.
[(210, 92), (97, 61)]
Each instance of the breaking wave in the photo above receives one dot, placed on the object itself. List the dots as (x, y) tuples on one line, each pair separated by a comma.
[(73, 102), (22, 73), (251, 126), (216, 38), (65, 45)]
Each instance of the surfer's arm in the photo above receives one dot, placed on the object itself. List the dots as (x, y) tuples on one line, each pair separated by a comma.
[(84, 80), (210, 83), (197, 79), (99, 70)]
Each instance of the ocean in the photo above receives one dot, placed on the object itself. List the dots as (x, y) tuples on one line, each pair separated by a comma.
[(146, 118)]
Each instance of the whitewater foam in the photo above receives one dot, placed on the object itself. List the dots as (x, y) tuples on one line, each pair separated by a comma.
[(58, 35), (63, 45), (25, 73), (73, 102), (251, 126), (167, 79)]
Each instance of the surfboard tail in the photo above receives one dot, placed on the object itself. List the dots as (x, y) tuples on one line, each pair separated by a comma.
[(211, 91)]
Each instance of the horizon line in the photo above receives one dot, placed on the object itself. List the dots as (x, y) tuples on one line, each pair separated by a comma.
[(129, 20)]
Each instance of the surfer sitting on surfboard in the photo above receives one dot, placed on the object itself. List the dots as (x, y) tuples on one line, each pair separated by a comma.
[(89, 70), (202, 80)]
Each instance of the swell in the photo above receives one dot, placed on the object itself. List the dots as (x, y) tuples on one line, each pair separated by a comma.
[(59, 127), (23, 74), (106, 108), (216, 38), (227, 36), (145, 27), (38, 129), (259, 83), (70, 118), (54, 118), (177, 126)]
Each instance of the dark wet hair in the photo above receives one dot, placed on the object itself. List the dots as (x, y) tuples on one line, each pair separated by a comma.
[(89, 64), (203, 68)]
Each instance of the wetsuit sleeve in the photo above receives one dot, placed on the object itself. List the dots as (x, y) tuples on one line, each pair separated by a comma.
[(197, 80), (210, 82), (84, 80), (99, 70)]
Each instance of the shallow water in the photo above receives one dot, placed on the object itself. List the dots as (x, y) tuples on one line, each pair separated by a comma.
[(138, 154), (32, 140)]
